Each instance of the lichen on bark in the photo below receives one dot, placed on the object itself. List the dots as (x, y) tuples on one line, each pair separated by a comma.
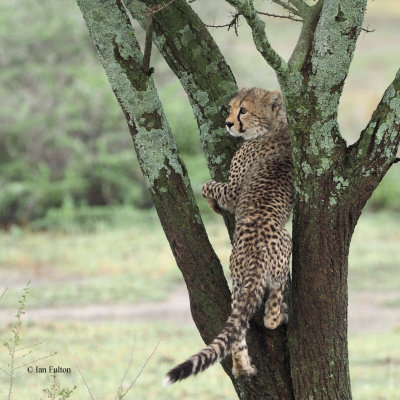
[(122, 60), (194, 57)]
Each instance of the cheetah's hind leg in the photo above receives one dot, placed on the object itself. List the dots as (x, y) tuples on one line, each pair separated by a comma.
[(275, 310), (241, 360)]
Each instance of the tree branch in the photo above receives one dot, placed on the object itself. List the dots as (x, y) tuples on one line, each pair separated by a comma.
[(333, 45), (148, 43), (379, 142), (235, 17), (279, 16), (287, 7), (209, 87), (319, 67), (300, 52), (233, 23), (246, 8)]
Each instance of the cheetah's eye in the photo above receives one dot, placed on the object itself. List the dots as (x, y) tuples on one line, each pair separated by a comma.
[(243, 110)]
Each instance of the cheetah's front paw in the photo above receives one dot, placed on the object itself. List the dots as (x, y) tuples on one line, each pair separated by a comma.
[(206, 190), (207, 194)]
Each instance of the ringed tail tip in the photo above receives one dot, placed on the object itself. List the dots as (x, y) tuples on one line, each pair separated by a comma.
[(178, 373)]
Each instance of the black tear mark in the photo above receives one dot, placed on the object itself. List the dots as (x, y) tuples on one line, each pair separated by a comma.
[(240, 123)]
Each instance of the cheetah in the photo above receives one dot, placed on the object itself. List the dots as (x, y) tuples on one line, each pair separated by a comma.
[(260, 194)]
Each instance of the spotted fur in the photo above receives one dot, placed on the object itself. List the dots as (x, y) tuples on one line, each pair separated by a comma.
[(260, 194)]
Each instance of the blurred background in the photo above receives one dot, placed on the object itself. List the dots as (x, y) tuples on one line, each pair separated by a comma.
[(77, 221)]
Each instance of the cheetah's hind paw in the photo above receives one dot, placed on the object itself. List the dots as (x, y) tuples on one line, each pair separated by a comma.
[(251, 371)]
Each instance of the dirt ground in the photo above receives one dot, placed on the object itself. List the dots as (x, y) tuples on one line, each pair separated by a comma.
[(368, 311)]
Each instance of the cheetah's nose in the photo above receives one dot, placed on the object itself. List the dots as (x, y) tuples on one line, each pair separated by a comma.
[(229, 124)]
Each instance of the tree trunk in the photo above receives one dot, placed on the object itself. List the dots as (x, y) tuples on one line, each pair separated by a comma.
[(318, 312), (167, 180)]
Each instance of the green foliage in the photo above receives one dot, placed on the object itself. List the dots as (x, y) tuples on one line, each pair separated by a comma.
[(63, 137), (12, 344), (19, 356), (64, 142), (56, 392), (181, 120), (70, 218)]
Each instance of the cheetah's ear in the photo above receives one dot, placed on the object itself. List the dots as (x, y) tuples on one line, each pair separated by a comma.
[(275, 100)]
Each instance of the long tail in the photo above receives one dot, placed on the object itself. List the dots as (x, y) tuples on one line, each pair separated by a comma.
[(251, 296)]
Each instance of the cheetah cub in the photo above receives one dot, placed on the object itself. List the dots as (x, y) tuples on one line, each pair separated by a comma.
[(260, 194)]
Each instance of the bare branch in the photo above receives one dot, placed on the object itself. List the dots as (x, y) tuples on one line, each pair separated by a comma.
[(366, 30), (141, 371), (257, 25), (279, 16), (127, 369), (23, 355), (4, 292), (35, 361), (148, 42), (234, 22), (84, 381), (27, 347)]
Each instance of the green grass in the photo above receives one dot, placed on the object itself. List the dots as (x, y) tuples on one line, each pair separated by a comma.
[(375, 252), (125, 263), (375, 365), (131, 261), (102, 352), (394, 302)]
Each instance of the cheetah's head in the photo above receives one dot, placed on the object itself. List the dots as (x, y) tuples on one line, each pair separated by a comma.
[(255, 112)]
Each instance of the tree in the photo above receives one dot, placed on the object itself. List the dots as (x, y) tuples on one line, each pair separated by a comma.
[(309, 359)]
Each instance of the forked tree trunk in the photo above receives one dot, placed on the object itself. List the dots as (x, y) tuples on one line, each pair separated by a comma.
[(333, 181)]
